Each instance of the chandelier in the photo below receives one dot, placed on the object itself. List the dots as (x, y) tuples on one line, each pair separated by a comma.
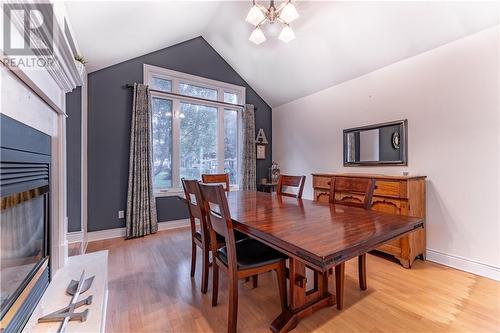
[(284, 14)]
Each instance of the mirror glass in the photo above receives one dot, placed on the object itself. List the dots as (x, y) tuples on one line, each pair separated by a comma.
[(376, 144)]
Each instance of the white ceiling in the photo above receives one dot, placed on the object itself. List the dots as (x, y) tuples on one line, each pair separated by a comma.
[(336, 41)]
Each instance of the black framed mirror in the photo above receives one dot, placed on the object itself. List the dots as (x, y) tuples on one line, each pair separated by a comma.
[(378, 144)]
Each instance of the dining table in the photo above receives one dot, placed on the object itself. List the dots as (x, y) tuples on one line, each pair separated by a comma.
[(314, 235)]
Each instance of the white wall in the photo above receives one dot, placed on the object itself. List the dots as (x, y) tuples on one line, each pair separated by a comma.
[(450, 96)]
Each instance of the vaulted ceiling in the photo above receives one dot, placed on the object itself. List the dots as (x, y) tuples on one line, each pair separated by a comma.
[(336, 41)]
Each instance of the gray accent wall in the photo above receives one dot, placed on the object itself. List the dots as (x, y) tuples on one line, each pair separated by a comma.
[(109, 116), (74, 158)]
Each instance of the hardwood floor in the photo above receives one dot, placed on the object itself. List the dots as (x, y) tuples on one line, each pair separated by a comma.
[(150, 290)]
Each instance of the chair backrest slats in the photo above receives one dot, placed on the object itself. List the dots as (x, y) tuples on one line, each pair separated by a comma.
[(219, 220), (352, 186), (195, 207), (219, 178), (291, 181)]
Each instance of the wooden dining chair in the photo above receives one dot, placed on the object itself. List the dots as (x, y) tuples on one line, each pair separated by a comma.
[(355, 192), (291, 181), (200, 238), (216, 178), (240, 259)]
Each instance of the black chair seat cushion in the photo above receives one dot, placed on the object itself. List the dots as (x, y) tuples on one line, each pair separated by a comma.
[(220, 239), (239, 236), (251, 253)]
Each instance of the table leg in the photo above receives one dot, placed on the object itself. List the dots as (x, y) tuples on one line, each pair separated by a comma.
[(339, 285), (302, 303)]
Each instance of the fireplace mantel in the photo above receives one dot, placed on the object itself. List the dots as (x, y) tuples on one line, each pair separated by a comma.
[(36, 97)]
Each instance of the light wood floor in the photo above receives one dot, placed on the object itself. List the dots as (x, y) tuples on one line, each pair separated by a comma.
[(150, 291)]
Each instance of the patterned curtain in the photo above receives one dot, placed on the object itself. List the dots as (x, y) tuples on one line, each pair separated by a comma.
[(249, 178), (141, 207)]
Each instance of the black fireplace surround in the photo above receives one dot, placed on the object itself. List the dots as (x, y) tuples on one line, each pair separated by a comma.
[(24, 221)]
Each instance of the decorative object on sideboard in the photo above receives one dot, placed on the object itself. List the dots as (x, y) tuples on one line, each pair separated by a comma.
[(261, 152), (68, 313), (274, 172), (284, 14), (378, 144)]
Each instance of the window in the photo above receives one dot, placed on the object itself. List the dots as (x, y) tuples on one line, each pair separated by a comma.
[(196, 91), (198, 142), (161, 84), (231, 145), (162, 142), (230, 98), (195, 127)]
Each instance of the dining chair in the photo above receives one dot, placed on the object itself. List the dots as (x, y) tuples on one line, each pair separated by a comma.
[(216, 178), (355, 192), (238, 259), (291, 181), (199, 238)]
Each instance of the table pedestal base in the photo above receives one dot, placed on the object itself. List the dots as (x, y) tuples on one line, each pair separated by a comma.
[(302, 303)]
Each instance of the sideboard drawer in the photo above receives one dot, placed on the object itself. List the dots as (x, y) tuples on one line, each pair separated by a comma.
[(321, 182), (387, 188)]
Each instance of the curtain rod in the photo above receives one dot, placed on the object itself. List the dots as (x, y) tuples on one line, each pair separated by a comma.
[(128, 85)]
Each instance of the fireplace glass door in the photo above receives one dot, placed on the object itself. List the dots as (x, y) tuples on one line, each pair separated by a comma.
[(23, 230)]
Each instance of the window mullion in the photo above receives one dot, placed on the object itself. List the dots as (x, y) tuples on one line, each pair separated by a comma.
[(239, 138), (220, 139), (176, 144)]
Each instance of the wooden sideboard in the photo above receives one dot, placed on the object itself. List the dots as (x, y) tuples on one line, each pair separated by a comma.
[(402, 195)]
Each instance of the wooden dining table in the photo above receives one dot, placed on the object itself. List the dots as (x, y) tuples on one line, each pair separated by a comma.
[(315, 235)]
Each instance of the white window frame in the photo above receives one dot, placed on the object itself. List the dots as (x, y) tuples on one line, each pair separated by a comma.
[(150, 71)]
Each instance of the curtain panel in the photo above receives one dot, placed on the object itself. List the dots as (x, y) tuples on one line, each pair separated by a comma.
[(141, 217), (248, 159)]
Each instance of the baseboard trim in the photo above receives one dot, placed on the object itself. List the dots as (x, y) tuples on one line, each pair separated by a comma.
[(120, 232), (464, 264), (105, 234), (173, 224)]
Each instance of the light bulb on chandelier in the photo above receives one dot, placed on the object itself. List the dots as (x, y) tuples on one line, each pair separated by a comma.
[(255, 16), (257, 36), (289, 13), (286, 34), (284, 14)]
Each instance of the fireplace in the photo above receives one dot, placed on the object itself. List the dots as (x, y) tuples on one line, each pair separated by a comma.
[(24, 221)]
